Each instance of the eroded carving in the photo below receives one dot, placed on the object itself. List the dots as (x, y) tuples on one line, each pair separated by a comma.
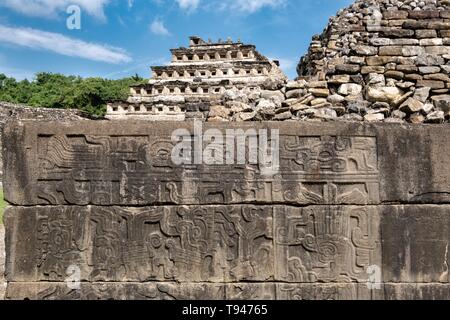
[(325, 244), (138, 170), (214, 244)]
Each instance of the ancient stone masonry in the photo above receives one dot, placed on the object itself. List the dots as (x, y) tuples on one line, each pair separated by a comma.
[(378, 60), (199, 77), (10, 111), (353, 212), (346, 210)]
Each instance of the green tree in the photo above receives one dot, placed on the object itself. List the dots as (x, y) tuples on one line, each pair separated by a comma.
[(52, 90)]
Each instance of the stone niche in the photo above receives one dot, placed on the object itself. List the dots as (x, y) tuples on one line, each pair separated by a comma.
[(355, 211)]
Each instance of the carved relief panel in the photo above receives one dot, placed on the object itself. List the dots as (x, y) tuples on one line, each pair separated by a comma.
[(138, 170), (183, 244), (326, 243)]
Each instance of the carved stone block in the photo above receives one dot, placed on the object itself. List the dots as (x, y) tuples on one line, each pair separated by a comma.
[(183, 244), (326, 243), (114, 291), (107, 203), (100, 164), (341, 291)]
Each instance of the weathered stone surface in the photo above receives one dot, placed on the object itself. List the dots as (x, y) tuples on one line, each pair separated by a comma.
[(140, 244), (369, 164), (436, 117), (372, 117), (416, 243), (384, 44), (419, 291), (347, 201), (350, 89), (329, 251), (442, 102), (239, 291), (338, 291), (151, 244), (100, 163), (411, 105), (427, 182), (51, 163), (348, 68), (433, 84), (119, 291), (2, 262), (383, 94), (422, 94)]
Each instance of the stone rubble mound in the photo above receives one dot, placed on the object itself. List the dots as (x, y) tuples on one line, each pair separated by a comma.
[(378, 60)]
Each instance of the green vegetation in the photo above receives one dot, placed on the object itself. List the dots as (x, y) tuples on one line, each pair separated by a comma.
[(2, 206), (50, 90)]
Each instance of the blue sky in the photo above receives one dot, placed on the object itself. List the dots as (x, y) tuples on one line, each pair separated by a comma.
[(119, 38)]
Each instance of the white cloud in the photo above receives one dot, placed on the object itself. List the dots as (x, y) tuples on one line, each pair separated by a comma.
[(188, 5), (243, 6), (50, 8), (130, 3), (58, 43), (252, 6), (158, 28)]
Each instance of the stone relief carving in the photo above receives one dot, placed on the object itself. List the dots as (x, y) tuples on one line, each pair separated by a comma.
[(325, 244), (120, 170), (215, 244)]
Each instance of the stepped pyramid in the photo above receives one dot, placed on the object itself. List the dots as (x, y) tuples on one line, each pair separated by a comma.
[(197, 78)]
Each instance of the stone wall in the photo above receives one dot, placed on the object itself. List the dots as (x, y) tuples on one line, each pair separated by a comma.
[(349, 201), (377, 60), (10, 111)]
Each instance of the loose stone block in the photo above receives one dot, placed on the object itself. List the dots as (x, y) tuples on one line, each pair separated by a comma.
[(411, 25), (379, 61), (424, 14), (401, 33), (391, 51), (348, 68), (372, 69), (395, 15), (439, 25), (437, 50), (433, 84), (426, 33)]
